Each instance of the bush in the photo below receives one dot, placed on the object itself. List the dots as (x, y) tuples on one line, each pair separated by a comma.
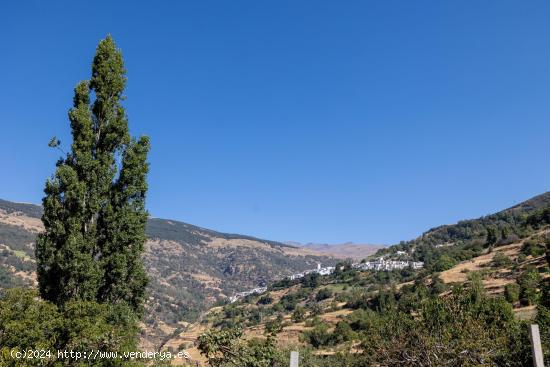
[(511, 292), (500, 260), (27, 322), (299, 314), (274, 326), (265, 300), (318, 336), (533, 247), (444, 262), (529, 283), (323, 294)]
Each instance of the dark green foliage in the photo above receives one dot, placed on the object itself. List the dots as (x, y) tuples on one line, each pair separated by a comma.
[(224, 348), (315, 309), (383, 301), (512, 292), (299, 314), (274, 326), (343, 333), (94, 208), (323, 294), (437, 286), (318, 336), (539, 218), (543, 320), (290, 300), (529, 283), (311, 280), (358, 299), (465, 328), (265, 300), (534, 246), (27, 322), (491, 236), (500, 260), (444, 262)]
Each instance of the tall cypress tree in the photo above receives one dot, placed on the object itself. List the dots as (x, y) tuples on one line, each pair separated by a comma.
[(94, 205)]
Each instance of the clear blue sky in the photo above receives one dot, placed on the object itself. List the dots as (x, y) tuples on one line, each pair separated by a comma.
[(365, 121)]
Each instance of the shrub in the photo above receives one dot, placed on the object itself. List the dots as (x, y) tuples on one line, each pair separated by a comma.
[(265, 300), (323, 294), (274, 326), (445, 262), (533, 247), (318, 336), (299, 314), (500, 260), (529, 283), (511, 292)]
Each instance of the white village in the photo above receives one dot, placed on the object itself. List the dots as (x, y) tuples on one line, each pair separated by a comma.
[(379, 264)]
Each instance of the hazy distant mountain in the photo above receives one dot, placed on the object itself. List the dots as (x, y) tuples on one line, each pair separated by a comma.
[(348, 250)]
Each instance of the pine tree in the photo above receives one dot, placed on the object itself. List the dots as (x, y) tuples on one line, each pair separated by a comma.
[(94, 205)]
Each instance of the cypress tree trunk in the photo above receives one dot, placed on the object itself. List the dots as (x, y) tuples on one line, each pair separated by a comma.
[(94, 205)]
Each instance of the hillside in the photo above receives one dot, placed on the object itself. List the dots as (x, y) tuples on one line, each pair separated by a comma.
[(314, 316), (190, 267), (468, 238), (353, 317)]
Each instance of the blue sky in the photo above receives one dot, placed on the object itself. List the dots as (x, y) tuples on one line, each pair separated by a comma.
[(297, 120)]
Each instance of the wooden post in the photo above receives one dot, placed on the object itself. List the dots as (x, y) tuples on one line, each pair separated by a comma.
[(536, 346), (294, 359)]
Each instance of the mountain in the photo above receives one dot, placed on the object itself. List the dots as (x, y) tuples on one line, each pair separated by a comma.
[(190, 267), (348, 250), (468, 238)]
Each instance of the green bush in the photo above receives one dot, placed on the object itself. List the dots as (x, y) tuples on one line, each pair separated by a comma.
[(529, 287), (323, 294), (534, 247), (299, 314), (318, 336), (512, 292), (500, 260), (444, 263)]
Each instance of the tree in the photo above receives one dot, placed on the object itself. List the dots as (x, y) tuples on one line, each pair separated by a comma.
[(94, 205), (30, 323), (226, 348), (323, 294), (491, 237)]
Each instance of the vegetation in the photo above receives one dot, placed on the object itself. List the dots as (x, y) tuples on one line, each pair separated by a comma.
[(90, 273), (94, 208), (414, 318)]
